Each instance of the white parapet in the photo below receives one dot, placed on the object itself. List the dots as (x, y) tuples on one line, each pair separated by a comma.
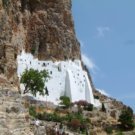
[(66, 78)]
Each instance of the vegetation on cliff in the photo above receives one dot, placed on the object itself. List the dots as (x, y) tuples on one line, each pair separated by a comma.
[(126, 119), (34, 81)]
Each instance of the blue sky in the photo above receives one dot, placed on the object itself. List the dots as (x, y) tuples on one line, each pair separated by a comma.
[(106, 31)]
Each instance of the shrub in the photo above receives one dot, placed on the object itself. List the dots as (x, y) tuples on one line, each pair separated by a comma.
[(83, 127), (96, 97), (81, 103), (50, 117), (65, 101), (74, 124), (32, 111), (89, 107), (126, 119), (109, 130), (119, 133)]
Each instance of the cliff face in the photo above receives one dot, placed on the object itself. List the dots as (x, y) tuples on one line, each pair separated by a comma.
[(43, 27), (50, 29)]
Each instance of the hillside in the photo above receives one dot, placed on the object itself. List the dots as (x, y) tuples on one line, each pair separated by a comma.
[(40, 34)]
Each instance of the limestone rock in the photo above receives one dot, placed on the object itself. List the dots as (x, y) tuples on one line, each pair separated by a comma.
[(12, 113)]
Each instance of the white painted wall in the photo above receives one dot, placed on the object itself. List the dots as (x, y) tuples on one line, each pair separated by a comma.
[(67, 78)]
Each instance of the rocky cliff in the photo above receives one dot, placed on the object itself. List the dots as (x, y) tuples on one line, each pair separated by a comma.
[(43, 27)]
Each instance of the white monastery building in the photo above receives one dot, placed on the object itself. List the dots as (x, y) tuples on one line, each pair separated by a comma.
[(67, 78)]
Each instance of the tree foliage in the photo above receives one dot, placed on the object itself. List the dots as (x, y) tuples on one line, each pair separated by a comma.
[(34, 81), (65, 101), (126, 119)]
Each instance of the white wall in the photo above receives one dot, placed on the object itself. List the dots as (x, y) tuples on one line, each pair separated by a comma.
[(67, 78)]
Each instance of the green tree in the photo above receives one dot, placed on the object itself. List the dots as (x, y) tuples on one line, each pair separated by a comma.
[(126, 119), (34, 81), (65, 101)]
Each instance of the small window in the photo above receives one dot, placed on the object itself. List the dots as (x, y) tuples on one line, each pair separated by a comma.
[(43, 65), (50, 72), (59, 69)]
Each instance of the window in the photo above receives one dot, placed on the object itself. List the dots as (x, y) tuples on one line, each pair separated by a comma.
[(44, 65), (59, 69)]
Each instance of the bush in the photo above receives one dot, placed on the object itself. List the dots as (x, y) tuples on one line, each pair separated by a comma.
[(74, 124), (126, 119), (96, 97), (32, 111), (109, 130), (81, 103), (89, 107), (50, 117), (65, 101), (119, 133)]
